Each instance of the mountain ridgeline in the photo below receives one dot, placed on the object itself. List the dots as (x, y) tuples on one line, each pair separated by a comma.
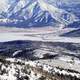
[(39, 13)]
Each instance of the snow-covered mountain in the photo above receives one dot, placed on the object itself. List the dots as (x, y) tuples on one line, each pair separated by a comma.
[(39, 12)]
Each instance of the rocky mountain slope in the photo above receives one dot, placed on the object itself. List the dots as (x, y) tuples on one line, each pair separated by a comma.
[(27, 13)]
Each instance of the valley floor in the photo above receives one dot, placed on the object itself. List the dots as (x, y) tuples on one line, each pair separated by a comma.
[(37, 34)]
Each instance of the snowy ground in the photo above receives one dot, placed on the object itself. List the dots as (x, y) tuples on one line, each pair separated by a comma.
[(40, 34), (62, 64), (47, 38), (17, 69), (45, 35)]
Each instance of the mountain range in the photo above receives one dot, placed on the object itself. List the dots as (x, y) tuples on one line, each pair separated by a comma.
[(39, 13)]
